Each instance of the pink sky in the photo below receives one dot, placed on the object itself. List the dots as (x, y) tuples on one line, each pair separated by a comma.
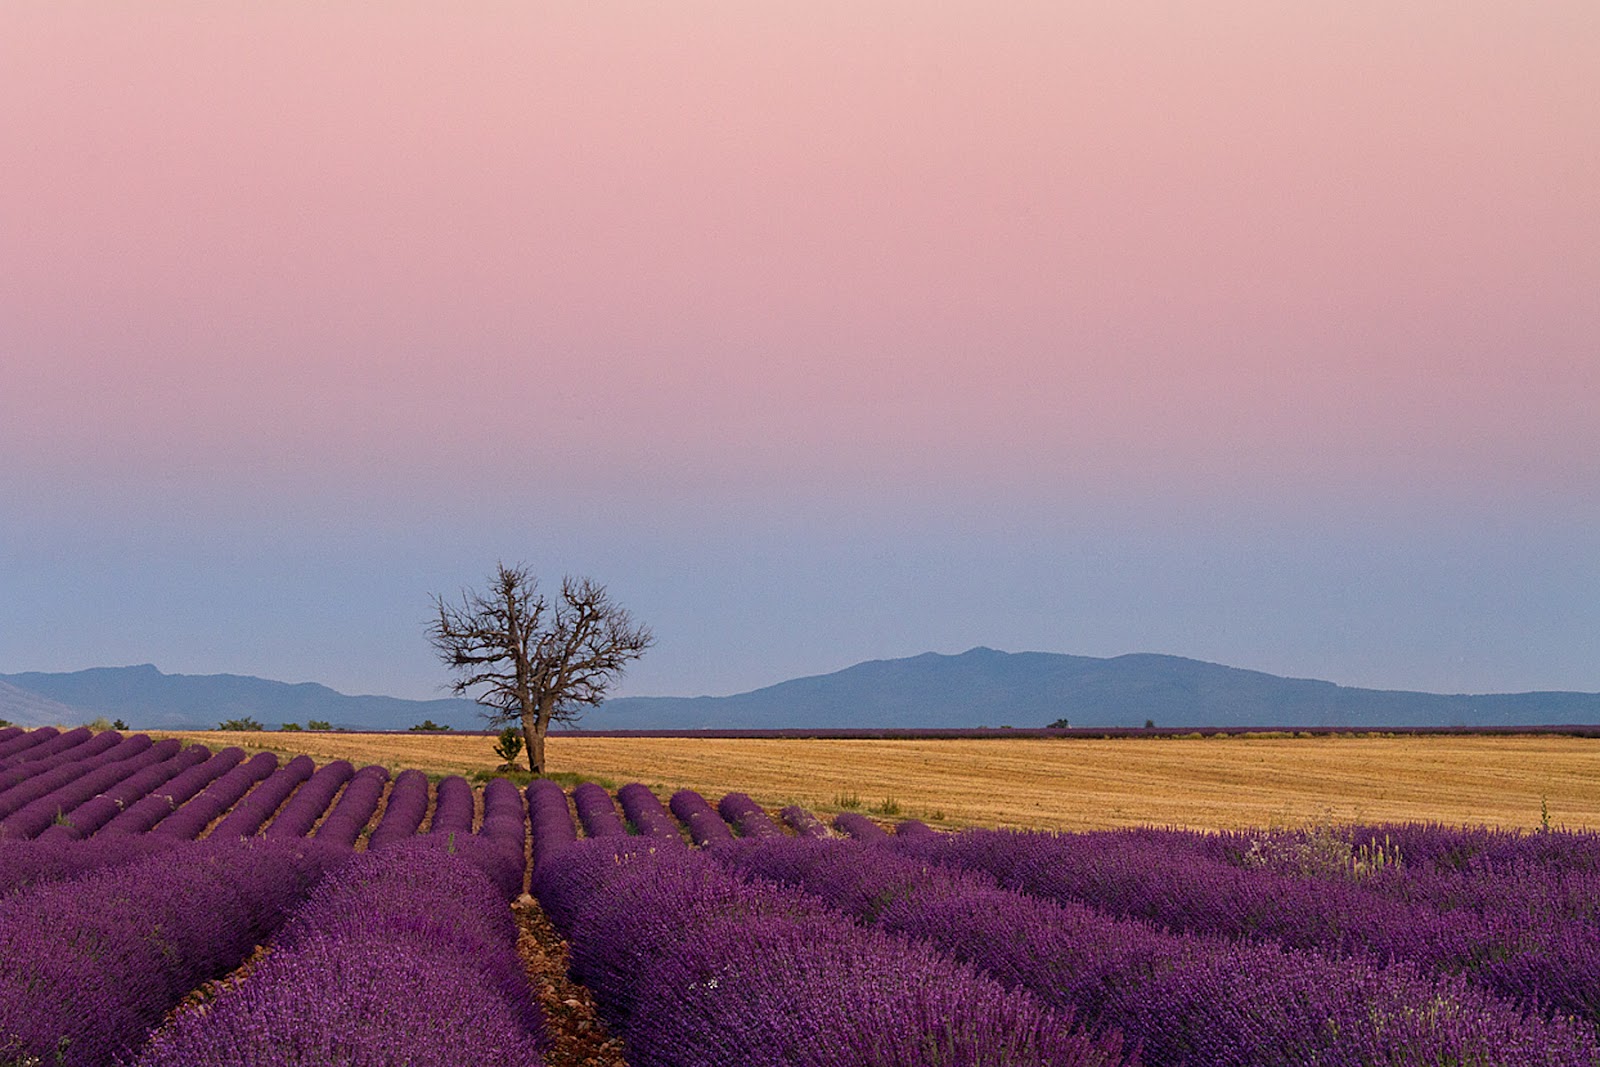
[(1115, 236), (717, 251)]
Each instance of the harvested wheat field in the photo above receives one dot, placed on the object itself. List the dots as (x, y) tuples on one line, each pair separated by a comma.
[(1068, 784)]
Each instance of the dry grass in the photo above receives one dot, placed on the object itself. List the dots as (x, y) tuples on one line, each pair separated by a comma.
[(1066, 784)]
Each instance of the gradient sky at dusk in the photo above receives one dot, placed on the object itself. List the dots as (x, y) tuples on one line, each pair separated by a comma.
[(1262, 333)]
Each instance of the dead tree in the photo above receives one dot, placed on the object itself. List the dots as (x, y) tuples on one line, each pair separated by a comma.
[(533, 660)]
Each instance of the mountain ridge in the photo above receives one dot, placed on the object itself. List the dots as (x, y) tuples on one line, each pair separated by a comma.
[(979, 687)]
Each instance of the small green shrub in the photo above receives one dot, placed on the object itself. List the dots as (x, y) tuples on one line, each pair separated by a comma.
[(318, 724), (509, 747), (1060, 724), (246, 723), (119, 725), (847, 801), (428, 726), (289, 727), (890, 806)]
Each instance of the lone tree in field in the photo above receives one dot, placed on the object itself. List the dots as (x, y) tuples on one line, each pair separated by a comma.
[(532, 659)]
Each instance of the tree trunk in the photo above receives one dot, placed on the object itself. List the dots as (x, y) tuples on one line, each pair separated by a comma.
[(533, 741), (536, 752)]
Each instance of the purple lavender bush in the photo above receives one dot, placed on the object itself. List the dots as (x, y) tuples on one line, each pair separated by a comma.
[(1544, 964), (24, 784), (191, 820), (51, 750), (452, 807), (648, 815), (704, 824), (89, 966), (748, 817), (302, 810), (859, 827), (695, 967), (596, 811), (13, 749), (29, 863), (551, 820), (144, 814), (93, 814), (803, 823), (35, 817), (355, 806), (404, 955), (264, 800), (404, 812), (1186, 1000)]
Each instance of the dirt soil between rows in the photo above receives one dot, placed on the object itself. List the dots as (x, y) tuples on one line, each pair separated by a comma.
[(578, 1037)]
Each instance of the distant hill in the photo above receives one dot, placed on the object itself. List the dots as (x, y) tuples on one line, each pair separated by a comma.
[(147, 699), (984, 687), (979, 687), (26, 708)]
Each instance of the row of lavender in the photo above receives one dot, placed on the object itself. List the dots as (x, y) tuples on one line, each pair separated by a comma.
[(113, 913), (1193, 948), (1196, 948), (695, 965)]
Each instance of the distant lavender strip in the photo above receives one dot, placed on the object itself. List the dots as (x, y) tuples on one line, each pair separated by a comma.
[(647, 814), (803, 823), (266, 798), (407, 806), (355, 807), (696, 967), (303, 810), (403, 955), (596, 811), (705, 825), (35, 818), (93, 814), (88, 967), (144, 814), (452, 807)]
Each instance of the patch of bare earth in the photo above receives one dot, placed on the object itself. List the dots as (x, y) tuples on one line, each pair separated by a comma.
[(577, 1036)]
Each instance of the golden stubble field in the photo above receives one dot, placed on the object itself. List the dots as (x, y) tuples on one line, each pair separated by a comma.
[(1066, 784)]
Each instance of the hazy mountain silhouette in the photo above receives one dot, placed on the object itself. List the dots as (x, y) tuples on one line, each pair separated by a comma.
[(980, 687), (23, 707), (983, 687), (149, 700)]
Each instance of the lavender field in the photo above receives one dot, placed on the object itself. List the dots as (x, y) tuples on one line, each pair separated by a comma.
[(169, 905)]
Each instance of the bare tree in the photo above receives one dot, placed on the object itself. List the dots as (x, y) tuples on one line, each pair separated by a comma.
[(533, 660)]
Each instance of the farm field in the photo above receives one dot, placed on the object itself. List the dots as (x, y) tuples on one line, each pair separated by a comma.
[(1076, 784), (166, 905)]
